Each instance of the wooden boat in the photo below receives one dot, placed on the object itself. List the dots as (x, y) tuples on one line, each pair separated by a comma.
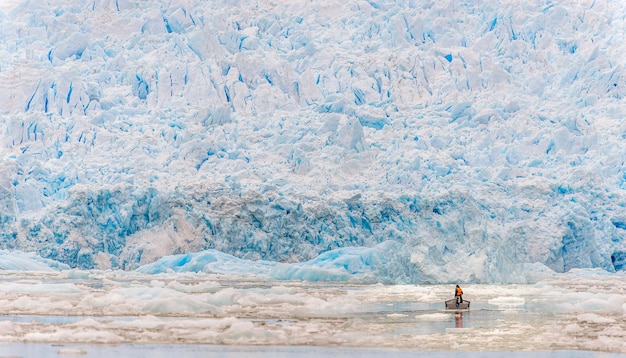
[(451, 305)]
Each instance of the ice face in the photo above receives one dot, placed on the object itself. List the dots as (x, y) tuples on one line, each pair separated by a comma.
[(484, 139)]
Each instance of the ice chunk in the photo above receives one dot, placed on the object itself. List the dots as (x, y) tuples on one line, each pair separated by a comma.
[(28, 261), (209, 261), (507, 301), (382, 263)]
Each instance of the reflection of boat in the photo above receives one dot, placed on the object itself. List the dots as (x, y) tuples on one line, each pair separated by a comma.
[(451, 305)]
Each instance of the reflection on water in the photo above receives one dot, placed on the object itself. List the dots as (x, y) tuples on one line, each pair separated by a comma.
[(459, 319)]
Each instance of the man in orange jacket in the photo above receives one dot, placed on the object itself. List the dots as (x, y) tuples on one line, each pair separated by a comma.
[(458, 294)]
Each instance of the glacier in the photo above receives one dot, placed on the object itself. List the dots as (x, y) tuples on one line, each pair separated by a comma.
[(429, 141)]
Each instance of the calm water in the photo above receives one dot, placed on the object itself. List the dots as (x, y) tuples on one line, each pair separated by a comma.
[(15, 350)]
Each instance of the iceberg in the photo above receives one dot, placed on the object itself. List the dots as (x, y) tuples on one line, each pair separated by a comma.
[(210, 262), (28, 261), (385, 141), (383, 263)]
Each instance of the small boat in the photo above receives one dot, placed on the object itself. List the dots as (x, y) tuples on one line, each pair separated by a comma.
[(451, 305)]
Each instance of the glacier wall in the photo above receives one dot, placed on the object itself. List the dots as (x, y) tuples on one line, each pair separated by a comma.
[(479, 136)]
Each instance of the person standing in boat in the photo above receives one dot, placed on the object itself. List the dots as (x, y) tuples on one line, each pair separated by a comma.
[(458, 294)]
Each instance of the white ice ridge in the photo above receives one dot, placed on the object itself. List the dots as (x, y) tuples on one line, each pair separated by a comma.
[(483, 138)]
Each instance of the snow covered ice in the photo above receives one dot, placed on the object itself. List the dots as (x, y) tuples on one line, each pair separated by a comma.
[(277, 173)]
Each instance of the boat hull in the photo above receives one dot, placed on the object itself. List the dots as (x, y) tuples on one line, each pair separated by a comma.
[(451, 305)]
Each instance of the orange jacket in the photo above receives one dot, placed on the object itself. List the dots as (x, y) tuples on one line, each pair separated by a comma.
[(459, 291)]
